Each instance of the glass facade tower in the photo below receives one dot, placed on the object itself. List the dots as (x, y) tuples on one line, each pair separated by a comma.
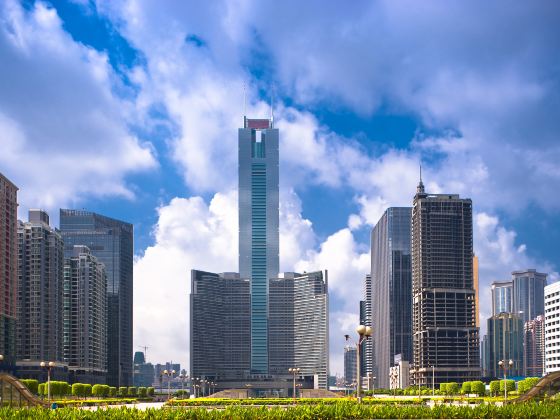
[(391, 279), (111, 241), (502, 299), (258, 226), (528, 293)]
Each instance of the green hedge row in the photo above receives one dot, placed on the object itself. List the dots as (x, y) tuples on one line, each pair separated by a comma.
[(61, 389)]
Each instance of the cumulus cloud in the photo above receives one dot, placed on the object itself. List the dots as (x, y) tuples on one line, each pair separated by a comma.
[(64, 131)]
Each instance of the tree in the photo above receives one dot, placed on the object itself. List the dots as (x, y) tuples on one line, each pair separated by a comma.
[(443, 388), (87, 390), (131, 391), (477, 387), (112, 391), (31, 384), (526, 384), (452, 388), (142, 392), (466, 388), (41, 389), (78, 389), (99, 390), (123, 390), (510, 383), (151, 391), (494, 387)]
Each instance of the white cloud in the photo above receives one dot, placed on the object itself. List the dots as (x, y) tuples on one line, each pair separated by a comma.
[(64, 132)]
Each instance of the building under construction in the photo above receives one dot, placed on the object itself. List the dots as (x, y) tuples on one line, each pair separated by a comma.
[(445, 334)]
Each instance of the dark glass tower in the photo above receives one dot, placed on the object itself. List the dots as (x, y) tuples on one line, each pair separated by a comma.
[(258, 226), (445, 335), (528, 293), (111, 241), (391, 282)]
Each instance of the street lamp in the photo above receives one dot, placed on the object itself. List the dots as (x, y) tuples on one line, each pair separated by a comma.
[(364, 333), (48, 366), (169, 374), (294, 371), (504, 364), (183, 376)]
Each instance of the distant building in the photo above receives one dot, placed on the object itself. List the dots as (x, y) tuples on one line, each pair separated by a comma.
[(85, 317), (258, 225), (444, 341), (366, 319), (528, 293), (399, 374), (111, 242), (350, 365), (39, 309), (160, 379), (505, 343), (475, 286), (8, 270), (551, 326), (502, 297), (533, 345), (391, 280)]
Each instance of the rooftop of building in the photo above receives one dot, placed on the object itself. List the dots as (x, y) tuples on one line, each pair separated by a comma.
[(7, 181)]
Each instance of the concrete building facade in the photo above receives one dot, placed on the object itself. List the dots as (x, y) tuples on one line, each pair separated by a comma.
[(533, 345), (8, 270), (85, 317), (552, 327), (445, 336)]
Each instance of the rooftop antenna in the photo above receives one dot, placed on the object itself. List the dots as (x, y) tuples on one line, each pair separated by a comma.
[(420, 172), (244, 105), (272, 107)]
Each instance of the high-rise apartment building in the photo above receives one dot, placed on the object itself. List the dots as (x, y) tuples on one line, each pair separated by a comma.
[(552, 327), (220, 317), (281, 333), (505, 343), (445, 336), (39, 303), (391, 280), (85, 317), (111, 242), (502, 297), (350, 367), (8, 269), (533, 345), (258, 225), (528, 293)]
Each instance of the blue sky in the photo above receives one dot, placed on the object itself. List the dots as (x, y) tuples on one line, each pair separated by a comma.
[(131, 109)]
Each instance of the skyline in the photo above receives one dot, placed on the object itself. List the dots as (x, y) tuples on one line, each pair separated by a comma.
[(149, 142)]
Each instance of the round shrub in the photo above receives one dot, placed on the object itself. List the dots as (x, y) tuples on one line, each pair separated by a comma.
[(142, 392), (112, 391), (477, 387), (151, 391), (466, 388), (131, 391), (31, 384)]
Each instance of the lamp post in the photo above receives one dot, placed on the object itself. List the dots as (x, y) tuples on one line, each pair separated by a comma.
[(48, 366), (182, 376), (169, 374), (1, 362), (504, 364), (364, 333), (294, 371), (433, 380)]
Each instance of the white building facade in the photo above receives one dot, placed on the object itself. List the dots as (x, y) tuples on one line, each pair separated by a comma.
[(552, 327)]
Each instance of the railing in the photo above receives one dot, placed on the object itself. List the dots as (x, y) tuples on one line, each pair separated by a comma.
[(547, 385), (15, 394)]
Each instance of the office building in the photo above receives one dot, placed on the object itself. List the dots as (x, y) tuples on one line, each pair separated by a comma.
[(391, 280), (111, 242), (85, 317), (350, 367), (502, 297), (533, 345), (399, 374), (8, 270), (39, 303), (258, 226), (311, 326), (445, 336), (505, 342), (366, 319), (220, 317), (552, 327), (281, 333), (475, 285), (528, 293), (143, 372)]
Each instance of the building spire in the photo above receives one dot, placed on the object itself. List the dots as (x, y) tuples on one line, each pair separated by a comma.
[(272, 107), (420, 187), (244, 105)]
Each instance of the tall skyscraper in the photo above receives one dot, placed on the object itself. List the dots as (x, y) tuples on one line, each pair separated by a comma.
[(391, 280), (445, 336), (85, 317), (350, 368), (502, 297), (505, 342), (533, 345), (475, 285), (39, 309), (281, 334), (111, 241), (366, 319), (528, 293), (551, 335), (258, 226), (8, 269), (220, 316)]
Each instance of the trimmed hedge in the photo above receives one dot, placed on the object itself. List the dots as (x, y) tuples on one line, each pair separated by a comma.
[(31, 384)]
